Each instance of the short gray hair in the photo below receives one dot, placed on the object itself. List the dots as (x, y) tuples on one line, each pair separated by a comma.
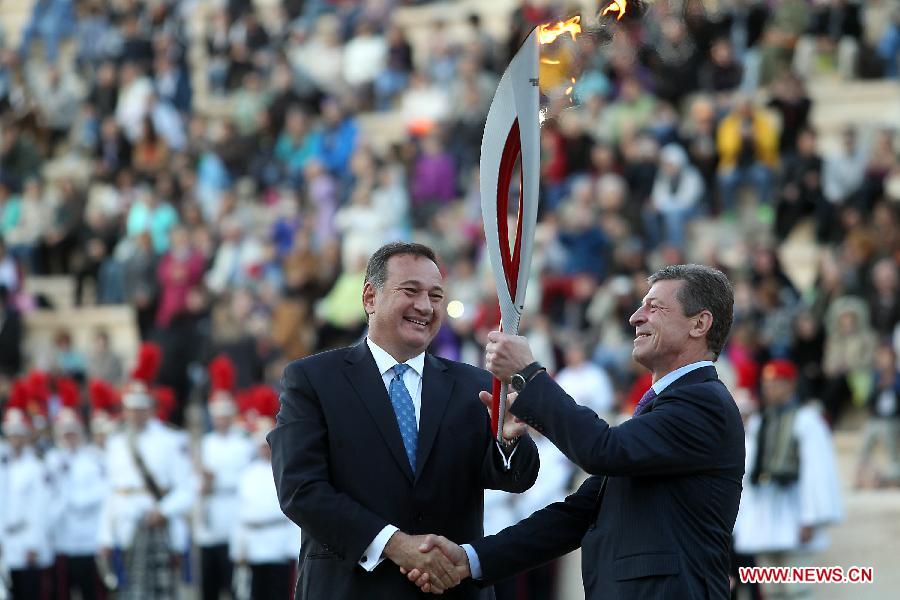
[(704, 288)]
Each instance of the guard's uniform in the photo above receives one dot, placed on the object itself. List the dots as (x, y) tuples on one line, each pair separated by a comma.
[(25, 493), (265, 538), (225, 456), (79, 489), (165, 454)]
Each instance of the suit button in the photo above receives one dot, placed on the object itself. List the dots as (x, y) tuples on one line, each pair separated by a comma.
[(516, 476), (419, 518)]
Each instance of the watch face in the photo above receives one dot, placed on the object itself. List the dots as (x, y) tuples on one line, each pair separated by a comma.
[(517, 382)]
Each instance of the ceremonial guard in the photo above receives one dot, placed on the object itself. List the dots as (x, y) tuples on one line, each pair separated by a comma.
[(224, 454), (791, 489), (150, 495), (265, 539), (24, 502), (76, 469)]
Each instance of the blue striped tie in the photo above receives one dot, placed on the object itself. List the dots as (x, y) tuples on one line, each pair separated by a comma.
[(405, 412)]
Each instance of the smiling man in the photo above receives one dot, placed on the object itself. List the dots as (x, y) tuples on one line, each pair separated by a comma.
[(655, 519), (382, 442)]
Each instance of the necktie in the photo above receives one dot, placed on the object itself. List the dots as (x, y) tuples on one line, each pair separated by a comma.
[(646, 399), (406, 414)]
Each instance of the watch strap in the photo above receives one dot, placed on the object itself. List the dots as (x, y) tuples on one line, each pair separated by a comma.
[(531, 370)]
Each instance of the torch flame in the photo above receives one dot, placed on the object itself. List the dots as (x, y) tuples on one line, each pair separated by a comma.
[(547, 34), (618, 7)]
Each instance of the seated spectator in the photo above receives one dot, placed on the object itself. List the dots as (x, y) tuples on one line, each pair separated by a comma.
[(32, 223), (180, 270), (67, 360), (152, 214), (791, 102), (677, 193), (722, 72), (57, 95), (631, 111), (337, 137), (392, 80), (747, 141), (433, 181), (842, 178), (832, 36), (60, 237), (365, 56), (849, 349), (801, 185), (236, 260), (296, 145), (883, 425)]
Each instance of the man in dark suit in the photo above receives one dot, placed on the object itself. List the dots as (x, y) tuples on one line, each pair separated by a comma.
[(380, 443), (655, 519)]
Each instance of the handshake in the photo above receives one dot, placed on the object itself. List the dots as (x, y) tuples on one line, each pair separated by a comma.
[(432, 562)]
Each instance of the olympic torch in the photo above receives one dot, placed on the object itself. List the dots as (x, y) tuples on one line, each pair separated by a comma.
[(512, 131)]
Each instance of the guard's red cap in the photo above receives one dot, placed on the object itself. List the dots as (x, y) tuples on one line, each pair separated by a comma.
[(780, 368)]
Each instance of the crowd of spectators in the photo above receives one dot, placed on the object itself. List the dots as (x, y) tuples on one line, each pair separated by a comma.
[(239, 220)]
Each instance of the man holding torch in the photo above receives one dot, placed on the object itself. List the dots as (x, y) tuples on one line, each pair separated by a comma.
[(655, 519)]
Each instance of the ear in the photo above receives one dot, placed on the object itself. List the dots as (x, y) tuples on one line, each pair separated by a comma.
[(701, 327), (368, 298)]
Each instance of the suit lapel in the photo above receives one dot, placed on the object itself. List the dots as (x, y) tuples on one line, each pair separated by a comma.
[(437, 387), (362, 372), (696, 376)]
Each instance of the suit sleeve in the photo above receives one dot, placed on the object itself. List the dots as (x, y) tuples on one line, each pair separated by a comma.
[(524, 465), (679, 435), (299, 445), (544, 536)]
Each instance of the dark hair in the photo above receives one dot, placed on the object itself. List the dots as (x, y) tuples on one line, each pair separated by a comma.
[(704, 288), (376, 270)]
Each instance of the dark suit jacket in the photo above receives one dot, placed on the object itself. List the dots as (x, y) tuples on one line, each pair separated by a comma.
[(659, 526), (342, 473)]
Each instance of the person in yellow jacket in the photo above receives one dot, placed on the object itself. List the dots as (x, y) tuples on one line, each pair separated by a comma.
[(747, 142)]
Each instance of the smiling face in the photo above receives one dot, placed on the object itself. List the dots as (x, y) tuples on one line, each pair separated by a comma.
[(406, 313), (665, 338)]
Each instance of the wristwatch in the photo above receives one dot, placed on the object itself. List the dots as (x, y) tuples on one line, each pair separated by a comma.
[(519, 380)]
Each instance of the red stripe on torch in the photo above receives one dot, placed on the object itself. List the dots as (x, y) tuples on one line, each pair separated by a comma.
[(511, 151)]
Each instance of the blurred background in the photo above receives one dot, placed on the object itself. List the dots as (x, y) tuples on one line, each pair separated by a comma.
[(210, 176)]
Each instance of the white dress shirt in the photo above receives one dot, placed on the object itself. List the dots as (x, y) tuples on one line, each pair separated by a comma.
[(412, 379)]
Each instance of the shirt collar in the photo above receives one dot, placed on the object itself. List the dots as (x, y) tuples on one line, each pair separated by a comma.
[(668, 378), (386, 362)]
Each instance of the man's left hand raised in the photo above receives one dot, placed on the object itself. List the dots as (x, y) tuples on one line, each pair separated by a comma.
[(512, 427)]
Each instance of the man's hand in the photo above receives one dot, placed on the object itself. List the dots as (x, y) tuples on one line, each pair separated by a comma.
[(406, 552), (512, 427), (454, 552), (506, 354)]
